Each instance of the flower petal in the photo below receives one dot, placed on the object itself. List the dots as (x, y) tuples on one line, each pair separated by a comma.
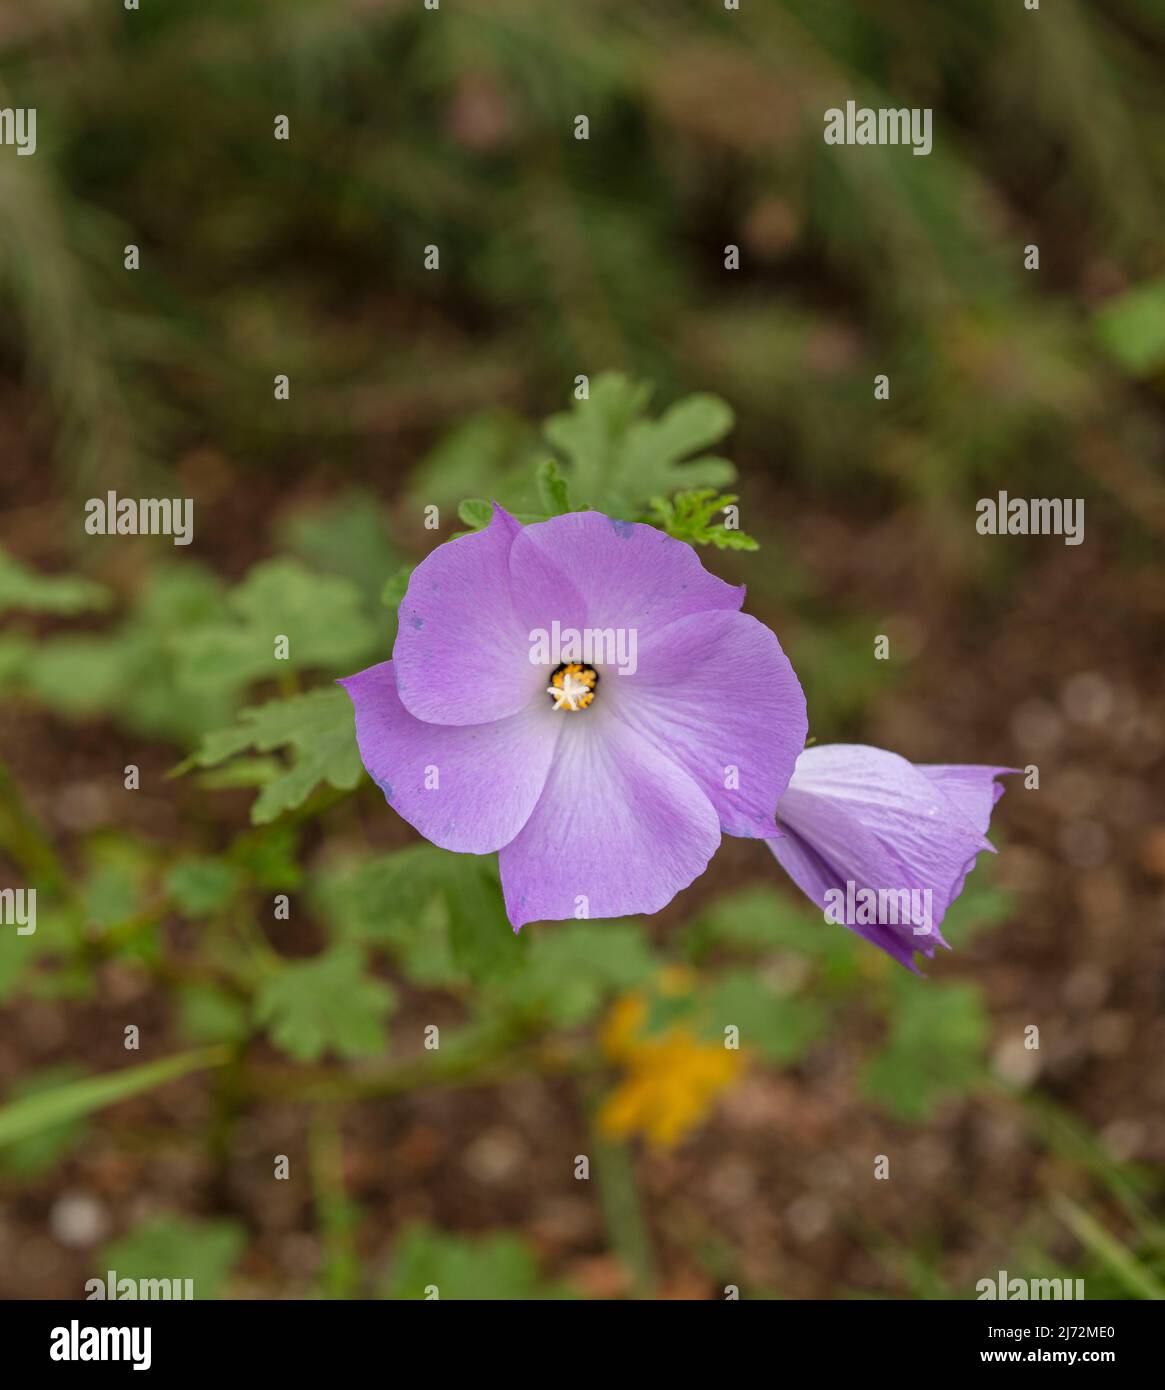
[(864, 816), (461, 654), (716, 693), (589, 570), (617, 824), (488, 777), (974, 790)]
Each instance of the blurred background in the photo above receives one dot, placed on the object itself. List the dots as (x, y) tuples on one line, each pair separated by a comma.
[(302, 1035)]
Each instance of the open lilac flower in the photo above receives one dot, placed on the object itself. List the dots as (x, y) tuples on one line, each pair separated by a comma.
[(882, 845), (582, 696)]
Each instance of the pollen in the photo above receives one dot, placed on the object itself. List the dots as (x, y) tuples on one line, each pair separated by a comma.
[(572, 686)]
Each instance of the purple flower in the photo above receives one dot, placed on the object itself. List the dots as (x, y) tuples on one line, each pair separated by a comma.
[(602, 769), (882, 845)]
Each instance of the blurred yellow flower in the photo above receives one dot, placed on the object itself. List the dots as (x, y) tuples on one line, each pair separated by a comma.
[(670, 1078)]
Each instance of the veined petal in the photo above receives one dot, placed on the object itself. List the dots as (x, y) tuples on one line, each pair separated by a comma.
[(589, 570), (461, 654), (715, 692), (864, 817), (464, 787), (618, 829)]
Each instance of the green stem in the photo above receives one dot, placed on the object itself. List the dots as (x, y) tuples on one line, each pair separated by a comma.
[(460, 1065), (622, 1207), (1139, 1281), (25, 839), (336, 1215)]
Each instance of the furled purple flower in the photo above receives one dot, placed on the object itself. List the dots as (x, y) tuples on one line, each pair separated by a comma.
[(582, 696), (883, 845)]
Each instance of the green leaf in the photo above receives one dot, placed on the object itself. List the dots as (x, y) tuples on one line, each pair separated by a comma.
[(695, 517), (20, 1118), (499, 1266), (327, 1003), (345, 536), (486, 453), (242, 772), (618, 461), (384, 903), (441, 913), (80, 675), (475, 513), (200, 887), (40, 1151), (573, 968), (115, 886), (395, 587), (16, 653), (1131, 328), (552, 489), (319, 731), (62, 594), (759, 919), (781, 1027), (321, 616), (934, 1049), (270, 857), (173, 1247), (1136, 1279), (207, 1014)]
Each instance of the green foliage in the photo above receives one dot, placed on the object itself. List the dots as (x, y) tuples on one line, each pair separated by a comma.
[(50, 1109), (982, 905), (441, 913), (42, 1148), (690, 516), (114, 889), (1131, 328), (475, 513), (322, 617), (173, 1247), (781, 1028), (1134, 1276), (934, 1049), (202, 886), (553, 491), (762, 919), (327, 1003), (346, 536), (490, 452), (838, 670), (63, 595), (618, 459), (173, 666), (318, 731), (573, 968), (499, 1266), (208, 1014)]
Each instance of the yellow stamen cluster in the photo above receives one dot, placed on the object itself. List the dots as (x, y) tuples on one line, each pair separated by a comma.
[(573, 686)]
